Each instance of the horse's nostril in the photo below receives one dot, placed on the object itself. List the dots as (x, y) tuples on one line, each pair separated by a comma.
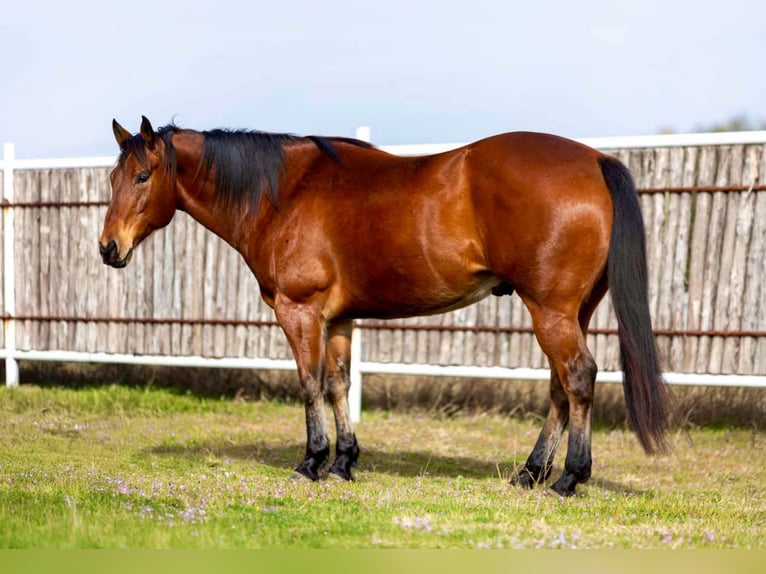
[(108, 251)]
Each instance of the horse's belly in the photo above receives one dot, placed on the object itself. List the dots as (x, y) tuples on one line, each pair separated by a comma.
[(407, 300), (479, 292)]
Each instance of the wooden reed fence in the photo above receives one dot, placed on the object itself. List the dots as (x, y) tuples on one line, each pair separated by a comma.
[(188, 293)]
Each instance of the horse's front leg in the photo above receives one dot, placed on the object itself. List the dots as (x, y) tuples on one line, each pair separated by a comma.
[(305, 331), (338, 383)]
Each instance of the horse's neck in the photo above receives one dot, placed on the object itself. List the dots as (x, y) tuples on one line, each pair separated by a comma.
[(224, 222), (196, 196), (235, 224)]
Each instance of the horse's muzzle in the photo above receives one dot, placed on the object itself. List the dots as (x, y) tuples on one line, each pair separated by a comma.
[(110, 253)]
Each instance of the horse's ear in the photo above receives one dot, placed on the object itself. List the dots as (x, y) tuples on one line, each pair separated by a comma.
[(120, 133), (147, 132)]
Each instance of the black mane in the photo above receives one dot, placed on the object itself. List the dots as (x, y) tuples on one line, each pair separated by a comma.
[(249, 164)]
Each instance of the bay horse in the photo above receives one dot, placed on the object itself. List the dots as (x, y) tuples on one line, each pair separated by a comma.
[(335, 229)]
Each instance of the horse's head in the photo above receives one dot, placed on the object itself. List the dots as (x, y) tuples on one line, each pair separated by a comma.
[(144, 195)]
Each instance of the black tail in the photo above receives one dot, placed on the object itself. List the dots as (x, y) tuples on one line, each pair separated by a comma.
[(646, 394)]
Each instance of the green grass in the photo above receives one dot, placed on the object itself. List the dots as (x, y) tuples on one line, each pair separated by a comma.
[(118, 467)]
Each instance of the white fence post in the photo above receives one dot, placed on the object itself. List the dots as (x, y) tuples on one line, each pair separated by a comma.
[(9, 268), (363, 133), (355, 376), (355, 390)]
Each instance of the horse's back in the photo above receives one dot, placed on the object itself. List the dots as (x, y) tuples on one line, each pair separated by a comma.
[(537, 167)]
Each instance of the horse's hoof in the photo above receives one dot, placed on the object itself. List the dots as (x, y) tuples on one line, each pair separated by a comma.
[(524, 479), (565, 486)]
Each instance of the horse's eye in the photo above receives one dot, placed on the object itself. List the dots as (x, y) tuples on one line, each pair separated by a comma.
[(142, 177)]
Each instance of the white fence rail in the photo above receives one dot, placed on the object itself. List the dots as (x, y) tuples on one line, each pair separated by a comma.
[(9, 164)]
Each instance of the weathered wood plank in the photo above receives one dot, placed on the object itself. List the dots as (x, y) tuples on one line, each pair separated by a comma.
[(683, 175), (504, 319), (195, 285), (97, 188), (697, 254), (729, 172), (178, 253), (78, 272), (752, 356), (46, 224), (72, 261), (244, 296), (514, 339), (27, 251), (739, 226), (662, 245), (713, 259), (158, 338)]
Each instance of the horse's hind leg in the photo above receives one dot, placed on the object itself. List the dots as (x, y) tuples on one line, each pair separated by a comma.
[(538, 467), (338, 382), (561, 338)]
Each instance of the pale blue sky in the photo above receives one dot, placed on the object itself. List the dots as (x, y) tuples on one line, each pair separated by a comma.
[(416, 72)]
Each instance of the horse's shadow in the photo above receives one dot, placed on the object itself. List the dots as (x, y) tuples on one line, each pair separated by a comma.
[(288, 456), (405, 463)]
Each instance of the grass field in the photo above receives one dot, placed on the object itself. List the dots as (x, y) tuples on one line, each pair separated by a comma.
[(120, 467)]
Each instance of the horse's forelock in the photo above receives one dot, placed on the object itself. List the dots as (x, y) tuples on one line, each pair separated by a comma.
[(133, 146), (136, 146)]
